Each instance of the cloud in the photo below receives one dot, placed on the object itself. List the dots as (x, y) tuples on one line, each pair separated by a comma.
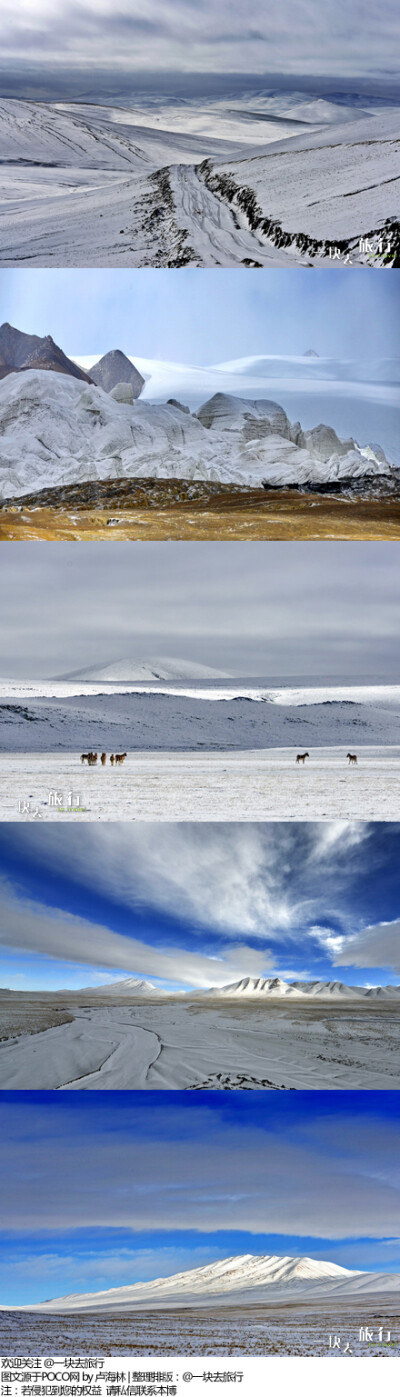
[(30, 926), (261, 880), (199, 1168), (373, 945), (205, 601), (202, 904), (227, 877), (330, 941), (296, 36), (336, 837)]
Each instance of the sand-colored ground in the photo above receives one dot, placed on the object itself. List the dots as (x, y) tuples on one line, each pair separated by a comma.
[(176, 509), (103, 1044), (30, 1015), (255, 785)]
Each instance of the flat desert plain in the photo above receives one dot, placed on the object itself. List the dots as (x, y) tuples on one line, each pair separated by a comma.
[(93, 1041)]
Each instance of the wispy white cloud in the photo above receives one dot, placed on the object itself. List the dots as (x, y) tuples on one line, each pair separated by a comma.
[(240, 880), (30, 926)]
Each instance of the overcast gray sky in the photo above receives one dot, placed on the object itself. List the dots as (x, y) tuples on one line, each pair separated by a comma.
[(207, 315), (274, 608), (292, 36)]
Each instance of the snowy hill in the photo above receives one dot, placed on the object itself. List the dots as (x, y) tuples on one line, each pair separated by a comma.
[(237, 1280), (120, 987), (300, 989), (81, 182), (169, 378), (56, 431), (161, 668)]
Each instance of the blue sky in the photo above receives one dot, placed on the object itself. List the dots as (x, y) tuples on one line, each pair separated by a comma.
[(110, 1188), (194, 905), (292, 36), (207, 316)]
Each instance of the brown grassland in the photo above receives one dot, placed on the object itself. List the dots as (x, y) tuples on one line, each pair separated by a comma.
[(180, 509)]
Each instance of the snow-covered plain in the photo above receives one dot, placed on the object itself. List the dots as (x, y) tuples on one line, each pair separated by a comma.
[(281, 1330), (57, 431), (240, 786), (90, 185), (331, 1039), (238, 1280), (222, 716)]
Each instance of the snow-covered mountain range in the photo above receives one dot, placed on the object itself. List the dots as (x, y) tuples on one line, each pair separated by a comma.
[(238, 1280), (302, 989), (246, 988), (57, 431)]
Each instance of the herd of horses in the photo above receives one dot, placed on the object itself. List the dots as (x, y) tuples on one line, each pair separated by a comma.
[(119, 757), (92, 757), (351, 758)]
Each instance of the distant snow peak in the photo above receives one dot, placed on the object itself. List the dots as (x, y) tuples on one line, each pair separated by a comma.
[(128, 986), (163, 668), (301, 989)]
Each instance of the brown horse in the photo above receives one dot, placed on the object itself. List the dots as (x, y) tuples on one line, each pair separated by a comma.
[(112, 759), (301, 757), (120, 758), (103, 758), (352, 759)]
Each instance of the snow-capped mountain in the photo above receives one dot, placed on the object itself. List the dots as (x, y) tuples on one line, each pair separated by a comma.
[(236, 1280), (57, 431), (152, 669), (130, 986), (301, 989)]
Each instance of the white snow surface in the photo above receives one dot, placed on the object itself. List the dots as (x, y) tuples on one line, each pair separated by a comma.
[(77, 179), (54, 431), (139, 1040), (105, 682), (239, 786), (307, 374), (236, 1280)]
